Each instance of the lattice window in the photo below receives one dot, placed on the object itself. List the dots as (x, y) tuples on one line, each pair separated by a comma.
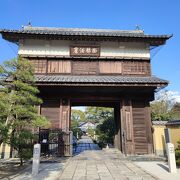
[(134, 67), (110, 67), (59, 66), (39, 66)]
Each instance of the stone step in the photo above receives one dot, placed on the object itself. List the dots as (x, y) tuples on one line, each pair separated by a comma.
[(146, 158)]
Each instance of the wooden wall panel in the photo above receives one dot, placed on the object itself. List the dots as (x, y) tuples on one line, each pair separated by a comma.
[(139, 127), (51, 109), (128, 126), (39, 66), (92, 67), (110, 67), (85, 67), (59, 66), (136, 68)]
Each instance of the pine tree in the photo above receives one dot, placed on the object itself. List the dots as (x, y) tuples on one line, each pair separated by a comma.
[(19, 114)]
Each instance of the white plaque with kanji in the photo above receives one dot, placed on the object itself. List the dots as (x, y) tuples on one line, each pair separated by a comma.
[(85, 51)]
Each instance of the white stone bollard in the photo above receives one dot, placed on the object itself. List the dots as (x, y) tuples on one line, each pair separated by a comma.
[(107, 146), (94, 135), (77, 136), (171, 157), (36, 159)]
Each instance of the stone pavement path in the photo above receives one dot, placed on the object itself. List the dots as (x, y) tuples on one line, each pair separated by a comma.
[(102, 165), (85, 143)]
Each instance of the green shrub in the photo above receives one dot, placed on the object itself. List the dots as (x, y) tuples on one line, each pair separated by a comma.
[(23, 142), (105, 132), (91, 132), (177, 153), (77, 131)]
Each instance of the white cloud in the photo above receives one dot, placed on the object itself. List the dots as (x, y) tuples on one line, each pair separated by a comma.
[(173, 96), (177, 98)]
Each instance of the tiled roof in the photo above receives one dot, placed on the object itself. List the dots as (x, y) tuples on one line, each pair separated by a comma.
[(170, 122), (83, 32), (98, 79), (159, 122), (173, 122)]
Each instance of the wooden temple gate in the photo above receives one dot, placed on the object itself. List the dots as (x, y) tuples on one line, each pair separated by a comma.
[(110, 68), (131, 113)]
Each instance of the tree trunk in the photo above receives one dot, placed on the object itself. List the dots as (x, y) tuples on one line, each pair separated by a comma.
[(20, 155), (1, 141), (21, 161)]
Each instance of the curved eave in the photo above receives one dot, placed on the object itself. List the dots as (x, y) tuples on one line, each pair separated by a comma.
[(155, 85), (16, 35), (113, 81)]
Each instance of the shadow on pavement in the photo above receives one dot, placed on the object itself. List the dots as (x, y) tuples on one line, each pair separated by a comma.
[(163, 166)]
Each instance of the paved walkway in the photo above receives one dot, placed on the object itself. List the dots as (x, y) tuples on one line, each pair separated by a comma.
[(101, 165), (159, 169), (90, 163), (47, 170), (85, 143)]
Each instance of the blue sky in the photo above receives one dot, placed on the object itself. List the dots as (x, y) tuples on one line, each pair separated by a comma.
[(154, 17)]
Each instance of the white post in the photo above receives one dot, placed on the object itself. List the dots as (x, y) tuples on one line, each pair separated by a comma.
[(77, 135), (36, 159), (171, 158)]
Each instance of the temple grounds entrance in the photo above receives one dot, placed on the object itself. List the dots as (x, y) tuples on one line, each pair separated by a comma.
[(85, 143), (93, 127), (131, 112), (105, 117), (94, 67)]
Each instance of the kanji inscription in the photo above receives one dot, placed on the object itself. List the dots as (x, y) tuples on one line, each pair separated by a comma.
[(85, 51)]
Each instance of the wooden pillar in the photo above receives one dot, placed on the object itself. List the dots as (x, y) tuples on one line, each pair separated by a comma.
[(127, 127), (149, 128), (117, 138), (65, 114)]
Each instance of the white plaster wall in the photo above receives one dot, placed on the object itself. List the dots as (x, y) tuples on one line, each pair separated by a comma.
[(61, 48), (125, 49)]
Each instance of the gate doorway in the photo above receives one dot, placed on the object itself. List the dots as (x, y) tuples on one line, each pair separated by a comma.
[(94, 125), (131, 113)]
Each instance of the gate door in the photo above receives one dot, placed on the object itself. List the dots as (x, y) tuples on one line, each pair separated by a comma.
[(54, 142)]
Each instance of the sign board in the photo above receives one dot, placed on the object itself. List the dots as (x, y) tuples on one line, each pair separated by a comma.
[(36, 159), (171, 157), (87, 51)]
